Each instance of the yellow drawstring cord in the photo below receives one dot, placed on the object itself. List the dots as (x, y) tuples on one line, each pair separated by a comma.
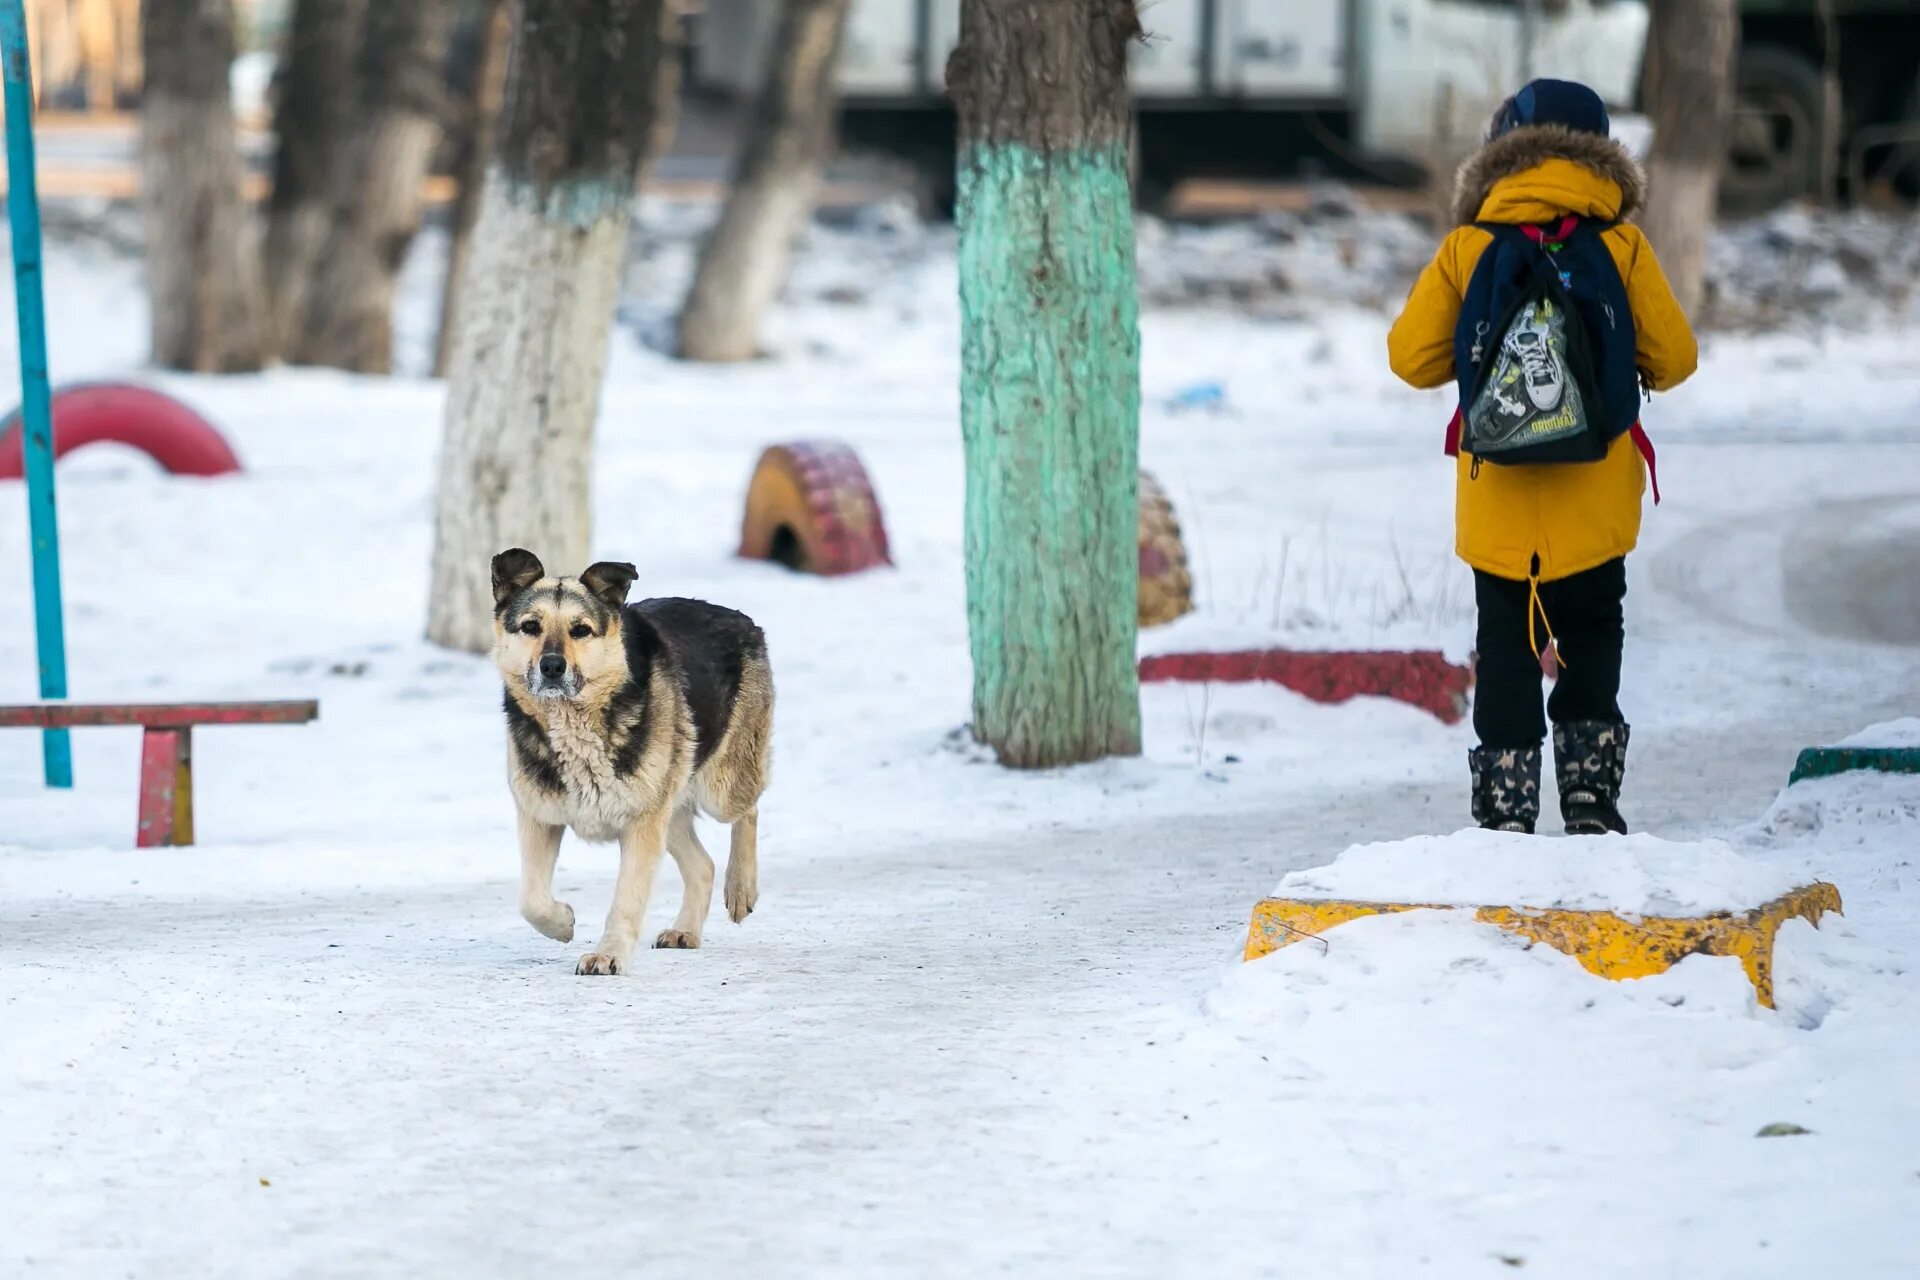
[(1535, 607)]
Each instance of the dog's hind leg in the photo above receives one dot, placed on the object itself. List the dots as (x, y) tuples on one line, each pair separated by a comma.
[(743, 866), (539, 850), (641, 845), (696, 878)]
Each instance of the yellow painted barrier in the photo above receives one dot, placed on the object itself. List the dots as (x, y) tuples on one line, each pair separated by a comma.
[(1608, 945)]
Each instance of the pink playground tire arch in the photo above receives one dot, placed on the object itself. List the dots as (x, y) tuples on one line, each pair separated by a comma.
[(173, 435)]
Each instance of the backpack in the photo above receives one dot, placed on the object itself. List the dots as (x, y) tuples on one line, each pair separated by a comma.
[(1544, 347)]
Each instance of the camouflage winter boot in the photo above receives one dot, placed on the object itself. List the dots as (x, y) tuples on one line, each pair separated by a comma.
[(1590, 760), (1506, 788)]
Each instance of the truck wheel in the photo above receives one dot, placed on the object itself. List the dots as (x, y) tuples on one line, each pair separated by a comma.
[(1779, 124), (1134, 154), (938, 168), (1903, 169)]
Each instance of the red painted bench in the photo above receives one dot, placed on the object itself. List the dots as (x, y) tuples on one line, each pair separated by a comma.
[(166, 754)]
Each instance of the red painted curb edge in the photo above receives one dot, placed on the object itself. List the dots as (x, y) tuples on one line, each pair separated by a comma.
[(1423, 678)]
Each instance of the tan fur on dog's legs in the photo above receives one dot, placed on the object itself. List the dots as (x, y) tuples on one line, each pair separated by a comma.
[(641, 845), (743, 866), (696, 878), (539, 850)]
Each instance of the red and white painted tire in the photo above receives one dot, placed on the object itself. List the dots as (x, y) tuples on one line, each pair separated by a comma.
[(811, 507)]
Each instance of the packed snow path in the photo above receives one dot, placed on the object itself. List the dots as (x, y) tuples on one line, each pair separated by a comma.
[(949, 1057), (946, 1058), (974, 1026), (926, 1054)]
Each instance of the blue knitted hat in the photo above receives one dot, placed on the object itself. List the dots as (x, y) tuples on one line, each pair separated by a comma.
[(1562, 102)]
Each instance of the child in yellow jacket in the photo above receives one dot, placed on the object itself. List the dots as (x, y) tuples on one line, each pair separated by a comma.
[(1548, 542)]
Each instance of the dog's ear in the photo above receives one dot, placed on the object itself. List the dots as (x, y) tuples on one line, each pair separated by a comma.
[(514, 571), (609, 581)]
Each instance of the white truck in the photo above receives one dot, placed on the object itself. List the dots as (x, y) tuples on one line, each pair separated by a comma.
[(1390, 84)]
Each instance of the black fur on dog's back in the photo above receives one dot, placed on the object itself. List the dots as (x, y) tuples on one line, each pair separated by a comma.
[(708, 645)]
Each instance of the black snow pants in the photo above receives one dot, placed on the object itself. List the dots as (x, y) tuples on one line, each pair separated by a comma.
[(1586, 617)]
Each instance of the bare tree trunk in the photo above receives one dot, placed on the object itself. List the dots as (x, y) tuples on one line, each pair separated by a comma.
[(591, 91), (489, 85), (743, 263), (203, 264), (1049, 376), (1691, 51), (55, 50), (128, 74), (309, 121), (97, 48), (377, 192)]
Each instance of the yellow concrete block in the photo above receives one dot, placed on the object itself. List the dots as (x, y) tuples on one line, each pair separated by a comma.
[(1608, 945)]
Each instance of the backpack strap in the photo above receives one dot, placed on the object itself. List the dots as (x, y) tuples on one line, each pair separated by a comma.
[(1547, 240)]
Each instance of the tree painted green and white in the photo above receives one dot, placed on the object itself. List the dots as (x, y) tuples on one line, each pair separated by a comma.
[(591, 88), (1050, 376)]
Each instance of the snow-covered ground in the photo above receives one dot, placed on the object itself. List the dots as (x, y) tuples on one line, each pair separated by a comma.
[(981, 1022)]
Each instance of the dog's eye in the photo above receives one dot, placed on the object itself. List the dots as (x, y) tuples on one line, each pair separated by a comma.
[(531, 627), (580, 631)]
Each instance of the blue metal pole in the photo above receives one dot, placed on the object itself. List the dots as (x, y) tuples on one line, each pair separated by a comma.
[(36, 411)]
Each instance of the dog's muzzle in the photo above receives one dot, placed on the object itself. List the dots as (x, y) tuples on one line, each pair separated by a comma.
[(550, 677)]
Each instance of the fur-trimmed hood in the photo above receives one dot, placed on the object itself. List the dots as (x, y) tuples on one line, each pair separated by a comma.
[(1529, 147)]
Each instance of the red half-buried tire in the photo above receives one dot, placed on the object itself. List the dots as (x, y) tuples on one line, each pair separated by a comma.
[(180, 440), (811, 507)]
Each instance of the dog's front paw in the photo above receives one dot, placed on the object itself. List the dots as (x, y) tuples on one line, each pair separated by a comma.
[(599, 963), (741, 895), (556, 921), (676, 940)]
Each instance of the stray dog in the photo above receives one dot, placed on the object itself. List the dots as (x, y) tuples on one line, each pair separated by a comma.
[(621, 720)]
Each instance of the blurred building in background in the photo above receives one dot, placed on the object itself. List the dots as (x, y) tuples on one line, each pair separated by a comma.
[(1385, 91)]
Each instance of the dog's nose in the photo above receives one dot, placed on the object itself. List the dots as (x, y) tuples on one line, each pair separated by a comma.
[(552, 666)]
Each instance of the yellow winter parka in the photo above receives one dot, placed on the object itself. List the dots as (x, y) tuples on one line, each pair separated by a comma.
[(1553, 521)]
